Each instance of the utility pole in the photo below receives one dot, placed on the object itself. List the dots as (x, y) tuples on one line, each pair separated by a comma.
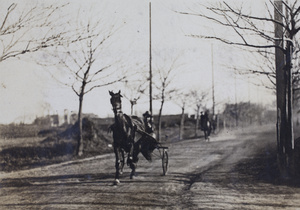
[(150, 62), (284, 92), (236, 106), (289, 72), (215, 118), (280, 81), (213, 79)]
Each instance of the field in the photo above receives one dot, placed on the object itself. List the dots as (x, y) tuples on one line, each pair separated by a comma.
[(46, 145)]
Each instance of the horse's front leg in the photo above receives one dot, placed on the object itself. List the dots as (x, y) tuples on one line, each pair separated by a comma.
[(205, 134), (117, 151)]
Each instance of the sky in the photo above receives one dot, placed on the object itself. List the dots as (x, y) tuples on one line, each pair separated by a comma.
[(29, 91)]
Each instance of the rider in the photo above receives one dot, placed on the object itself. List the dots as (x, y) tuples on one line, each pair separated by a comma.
[(206, 115), (148, 123), (202, 120)]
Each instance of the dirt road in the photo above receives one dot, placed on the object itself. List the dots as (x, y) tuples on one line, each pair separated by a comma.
[(232, 171)]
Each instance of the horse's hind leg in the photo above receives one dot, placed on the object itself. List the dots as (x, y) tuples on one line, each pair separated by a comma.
[(117, 165), (133, 163), (133, 167), (133, 154), (122, 161)]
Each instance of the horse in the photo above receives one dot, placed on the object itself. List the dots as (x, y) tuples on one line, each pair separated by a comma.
[(129, 137), (206, 127), (214, 124)]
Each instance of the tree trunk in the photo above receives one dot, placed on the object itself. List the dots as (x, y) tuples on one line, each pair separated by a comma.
[(159, 120), (181, 129), (281, 93), (197, 121), (80, 137), (131, 108), (218, 123)]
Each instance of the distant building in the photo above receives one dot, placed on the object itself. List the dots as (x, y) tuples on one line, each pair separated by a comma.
[(66, 117), (54, 119), (58, 120), (49, 120), (74, 117)]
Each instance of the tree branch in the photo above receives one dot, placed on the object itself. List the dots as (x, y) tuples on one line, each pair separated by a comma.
[(237, 43)]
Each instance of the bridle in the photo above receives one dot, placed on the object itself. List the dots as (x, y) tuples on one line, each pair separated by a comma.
[(116, 103)]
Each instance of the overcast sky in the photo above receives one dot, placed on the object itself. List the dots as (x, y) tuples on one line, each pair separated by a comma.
[(27, 90)]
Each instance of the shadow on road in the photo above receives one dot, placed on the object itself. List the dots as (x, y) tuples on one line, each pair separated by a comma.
[(72, 179)]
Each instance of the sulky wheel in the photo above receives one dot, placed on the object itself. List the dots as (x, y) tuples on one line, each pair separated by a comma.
[(165, 162)]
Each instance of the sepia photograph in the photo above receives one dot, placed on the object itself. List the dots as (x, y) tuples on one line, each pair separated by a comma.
[(150, 104)]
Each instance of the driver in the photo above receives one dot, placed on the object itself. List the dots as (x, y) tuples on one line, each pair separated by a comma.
[(148, 123)]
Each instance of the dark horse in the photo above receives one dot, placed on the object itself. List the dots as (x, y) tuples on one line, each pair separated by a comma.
[(126, 130), (206, 126)]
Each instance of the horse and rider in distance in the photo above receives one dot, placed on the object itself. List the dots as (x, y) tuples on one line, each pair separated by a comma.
[(205, 124), (132, 135)]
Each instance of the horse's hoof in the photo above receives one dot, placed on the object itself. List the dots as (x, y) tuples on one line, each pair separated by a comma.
[(116, 182), (132, 175)]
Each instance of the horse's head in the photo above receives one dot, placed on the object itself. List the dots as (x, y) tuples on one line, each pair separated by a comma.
[(115, 101)]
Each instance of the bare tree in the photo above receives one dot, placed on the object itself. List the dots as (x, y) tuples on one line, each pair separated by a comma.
[(254, 31), (164, 85), (19, 28), (262, 63), (277, 29), (134, 90), (182, 101), (87, 65)]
